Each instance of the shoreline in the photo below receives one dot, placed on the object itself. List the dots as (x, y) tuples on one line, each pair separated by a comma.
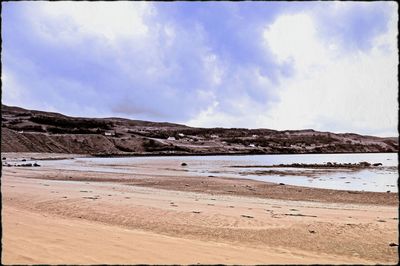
[(213, 185), (152, 154), (55, 216), (81, 214)]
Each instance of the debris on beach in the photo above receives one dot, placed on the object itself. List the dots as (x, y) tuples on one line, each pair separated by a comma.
[(299, 214)]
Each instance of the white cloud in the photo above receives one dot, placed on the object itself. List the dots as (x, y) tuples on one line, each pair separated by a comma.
[(348, 92), (108, 20), (293, 37), (13, 93)]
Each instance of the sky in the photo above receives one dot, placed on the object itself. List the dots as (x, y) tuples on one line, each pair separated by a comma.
[(328, 66)]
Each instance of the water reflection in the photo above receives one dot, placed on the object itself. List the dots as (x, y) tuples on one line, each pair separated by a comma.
[(380, 179)]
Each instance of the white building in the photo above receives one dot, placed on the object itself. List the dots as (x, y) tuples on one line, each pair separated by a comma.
[(181, 135), (109, 133), (252, 145), (171, 138)]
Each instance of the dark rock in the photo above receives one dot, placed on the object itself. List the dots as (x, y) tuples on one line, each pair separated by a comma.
[(311, 231), (24, 160), (4, 158), (281, 184), (393, 245), (377, 164), (36, 165), (183, 164)]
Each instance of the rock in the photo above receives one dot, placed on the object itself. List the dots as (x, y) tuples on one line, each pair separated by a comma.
[(393, 244), (24, 160), (377, 164), (311, 231), (183, 164), (4, 158), (281, 184), (36, 165), (365, 164)]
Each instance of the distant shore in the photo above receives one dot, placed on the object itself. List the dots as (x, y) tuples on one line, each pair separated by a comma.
[(152, 154)]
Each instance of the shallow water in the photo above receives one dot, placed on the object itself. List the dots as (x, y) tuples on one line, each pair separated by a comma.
[(379, 179)]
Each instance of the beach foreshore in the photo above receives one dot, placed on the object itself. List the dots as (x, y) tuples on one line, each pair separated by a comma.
[(54, 216)]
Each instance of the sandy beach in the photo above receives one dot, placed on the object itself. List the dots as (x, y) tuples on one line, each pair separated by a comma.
[(77, 217)]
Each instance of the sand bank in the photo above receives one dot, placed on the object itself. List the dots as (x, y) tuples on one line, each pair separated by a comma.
[(79, 217)]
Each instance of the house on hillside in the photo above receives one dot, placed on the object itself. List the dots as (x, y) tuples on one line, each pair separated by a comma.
[(109, 133)]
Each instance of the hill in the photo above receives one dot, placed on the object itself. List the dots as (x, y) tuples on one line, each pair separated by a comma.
[(25, 130)]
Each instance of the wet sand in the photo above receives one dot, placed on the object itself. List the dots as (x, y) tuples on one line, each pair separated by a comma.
[(52, 216)]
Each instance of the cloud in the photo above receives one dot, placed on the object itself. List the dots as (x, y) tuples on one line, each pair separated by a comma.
[(274, 64), (333, 90)]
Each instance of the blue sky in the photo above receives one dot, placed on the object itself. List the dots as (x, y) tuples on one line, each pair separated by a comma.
[(329, 66)]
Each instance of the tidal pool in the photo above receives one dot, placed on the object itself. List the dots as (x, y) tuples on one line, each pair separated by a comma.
[(378, 179)]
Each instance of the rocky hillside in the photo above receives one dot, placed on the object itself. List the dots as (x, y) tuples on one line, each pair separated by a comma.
[(36, 131)]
